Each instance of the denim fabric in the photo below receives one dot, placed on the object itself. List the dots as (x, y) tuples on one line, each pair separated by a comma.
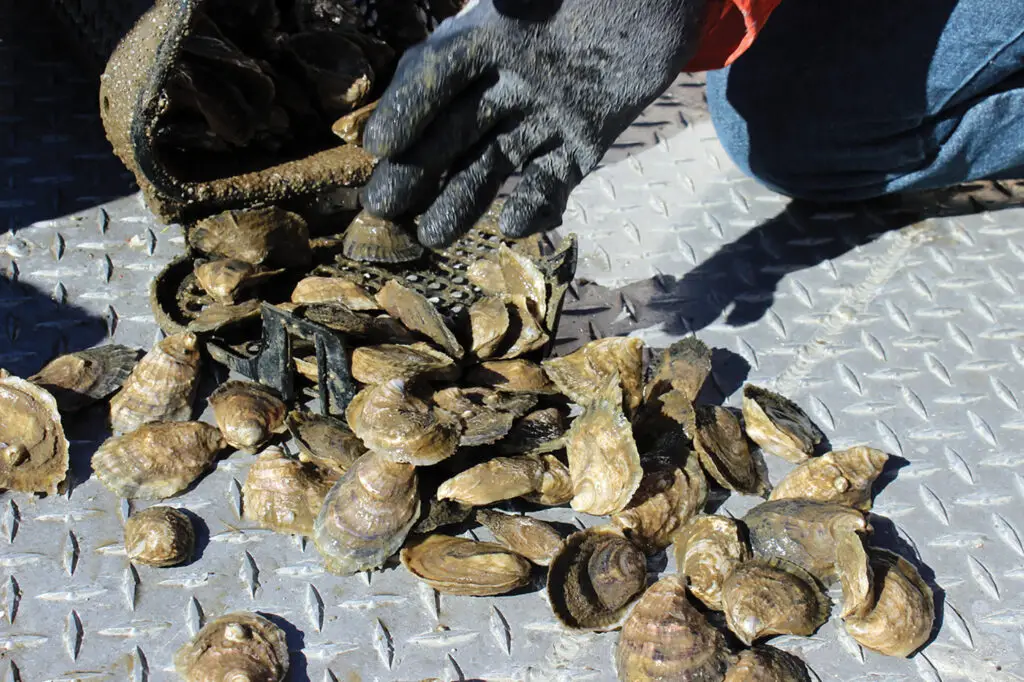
[(850, 100)]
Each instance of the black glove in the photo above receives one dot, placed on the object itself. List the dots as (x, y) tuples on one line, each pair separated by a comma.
[(507, 83)]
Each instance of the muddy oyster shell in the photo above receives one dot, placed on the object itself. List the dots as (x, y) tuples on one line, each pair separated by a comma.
[(901, 620), (853, 566), (767, 664), (844, 477), (532, 538), (380, 364), (778, 425), (334, 290), (667, 498), (764, 597), (226, 279), (489, 323), (540, 430), (77, 380), (684, 366), (377, 240), (367, 514), (238, 646), (708, 548), (324, 441), (583, 373), (486, 414), (247, 413), (283, 494), (350, 126), (33, 448), (159, 536), (666, 638), (268, 235), (722, 447), (418, 314), (512, 376), (441, 513), (162, 386), (465, 567), (539, 478), (399, 425)]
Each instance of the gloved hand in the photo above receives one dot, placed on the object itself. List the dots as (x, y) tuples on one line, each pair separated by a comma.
[(548, 84)]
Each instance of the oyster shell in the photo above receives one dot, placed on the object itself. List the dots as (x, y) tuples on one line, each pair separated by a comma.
[(225, 279), (539, 430), (778, 425), (238, 646), (487, 274), (486, 414), (901, 620), (367, 514), (441, 513), (540, 478), (767, 664), (362, 326), (334, 290), (217, 316), (667, 498), (532, 538), (594, 578), (582, 374), (159, 536), (77, 380), (157, 460), (512, 376), (350, 126), (283, 494), (604, 464), (376, 240), (392, 421), (33, 448), (269, 235), (324, 441), (844, 477), (380, 364), (525, 332), (247, 413), (489, 323), (418, 314), (853, 566), (465, 567), (666, 638), (708, 548), (523, 279), (162, 386), (764, 597), (684, 366), (722, 447)]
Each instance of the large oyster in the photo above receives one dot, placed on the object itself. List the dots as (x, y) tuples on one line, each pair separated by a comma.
[(283, 494), (583, 374), (324, 441), (667, 498), (77, 380), (247, 413), (532, 538), (708, 548), (844, 477), (722, 446), (772, 597), (418, 314), (33, 448), (159, 536), (853, 566), (465, 567), (380, 364), (162, 386), (540, 478), (778, 425), (267, 235), (377, 240), (238, 646)]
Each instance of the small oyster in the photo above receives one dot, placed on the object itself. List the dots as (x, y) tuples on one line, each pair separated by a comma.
[(33, 448), (684, 366), (594, 577), (225, 279), (603, 460), (217, 316), (523, 279), (582, 374), (778, 425), (350, 126), (269, 235), (708, 548), (367, 514), (324, 441), (441, 513), (489, 323), (844, 477), (539, 430), (376, 240), (77, 380), (157, 460), (334, 290), (722, 446), (853, 566), (512, 376), (399, 425), (247, 413), (380, 364), (532, 538), (772, 597), (540, 478), (901, 620), (667, 498), (162, 386), (487, 274), (767, 664), (283, 494), (486, 414), (418, 314), (238, 646), (666, 638), (159, 536), (465, 567)]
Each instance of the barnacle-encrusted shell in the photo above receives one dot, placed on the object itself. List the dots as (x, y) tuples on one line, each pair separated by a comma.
[(582, 374), (487, 415), (283, 494), (901, 620), (77, 380), (260, 235), (512, 376), (247, 413), (394, 422), (853, 566), (159, 536), (441, 513), (488, 323), (723, 450), (778, 425), (380, 364), (772, 597), (668, 496), (486, 274), (532, 538), (594, 577), (225, 279), (157, 460), (367, 514), (465, 567), (377, 240), (707, 549), (503, 478), (666, 638), (162, 386), (767, 664), (324, 441), (603, 460), (684, 366), (33, 448), (843, 477), (334, 290), (539, 430), (417, 313), (235, 647)]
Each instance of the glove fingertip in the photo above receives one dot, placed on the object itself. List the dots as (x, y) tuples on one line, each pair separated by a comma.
[(433, 233), (524, 215)]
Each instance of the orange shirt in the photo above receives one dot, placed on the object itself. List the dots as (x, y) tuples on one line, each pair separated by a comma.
[(730, 28)]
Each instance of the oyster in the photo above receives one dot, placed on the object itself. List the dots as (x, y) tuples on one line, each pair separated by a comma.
[(377, 240), (486, 414), (396, 423), (540, 478), (418, 314), (708, 548), (594, 578), (238, 646), (722, 447), (350, 126), (159, 536), (77, 380), (33, 448), (362, 326), (512, 376), (523, 280), (441, 513), (666, 638), (367, 514), (262, 236), (526, 333), (844, 477), (162, 386), (667, 498), (778, 425), (901, 620), (532, 538), (380, 364), (334, 290), (465, 567), (283, 494), (583, 373), (772, 597), (684, 367), (217, 316), (324, 441), (853, 566), (489, 323), (539, 430), (247, 413), (225, 280), (487, 274), (157, 460), (604, 464), (767, 664)]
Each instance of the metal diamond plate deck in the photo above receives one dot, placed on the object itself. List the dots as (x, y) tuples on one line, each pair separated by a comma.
[(904, 333)]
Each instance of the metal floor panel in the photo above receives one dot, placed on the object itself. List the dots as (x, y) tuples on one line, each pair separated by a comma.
[(904, 334)]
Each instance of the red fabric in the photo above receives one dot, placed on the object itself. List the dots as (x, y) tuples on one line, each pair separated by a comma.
[(730, 28)]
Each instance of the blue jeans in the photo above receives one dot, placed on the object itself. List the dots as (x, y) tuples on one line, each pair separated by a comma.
[(841, 100)]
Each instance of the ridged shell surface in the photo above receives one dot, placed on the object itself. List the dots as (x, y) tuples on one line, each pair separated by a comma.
[(162, 386)]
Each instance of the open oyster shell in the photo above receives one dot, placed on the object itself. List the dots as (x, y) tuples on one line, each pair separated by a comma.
[(540, 478), (583, 374), (684, 366), (843, 477), (529, 537), (161, 387), (418, 314), (511, 376), (247, 413), (380, 364), (772, 597), (708, 548), (465, 567), (722, 446), (668, 496), (283, 494), (324, 441), (767, 664), (267, 235), (237, 646), (159, 536), (33, 447), (778, 425), (334, 290), (77, 380), (377, 240)]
